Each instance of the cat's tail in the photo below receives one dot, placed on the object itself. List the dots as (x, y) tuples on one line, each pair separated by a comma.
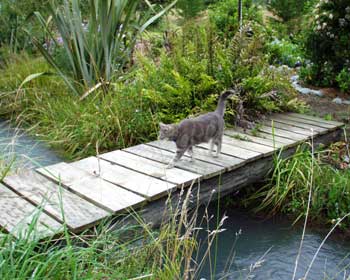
[(220, 109)]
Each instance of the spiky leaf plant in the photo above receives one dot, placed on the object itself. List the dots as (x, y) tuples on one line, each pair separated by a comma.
[(97, 47)]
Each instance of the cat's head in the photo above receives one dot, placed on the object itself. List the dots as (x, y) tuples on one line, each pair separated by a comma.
[(167, 131)]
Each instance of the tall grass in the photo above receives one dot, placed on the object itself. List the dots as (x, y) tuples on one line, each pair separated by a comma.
[(288, 188)]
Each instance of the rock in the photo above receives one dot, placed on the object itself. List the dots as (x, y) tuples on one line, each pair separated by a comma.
[(337, 100), (303, 90)]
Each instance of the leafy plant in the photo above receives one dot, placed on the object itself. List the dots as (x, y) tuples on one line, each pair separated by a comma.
[(327, 41), (284, 52), (97, 48), (288, 189), (343, 80)]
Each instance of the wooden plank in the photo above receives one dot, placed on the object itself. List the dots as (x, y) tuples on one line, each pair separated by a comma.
[(251, 146), (234, 151), (281, 119), (329, 127), (290, 128), (238, 134), (21, 218), (141, 184), (266, 136), (55, 200), (316, 119), (230, 182), (92, 188), (281, 133), (228, 162), (201, 167), (151, 168)]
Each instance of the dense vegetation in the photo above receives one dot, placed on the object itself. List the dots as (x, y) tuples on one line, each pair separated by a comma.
[(85, 75)]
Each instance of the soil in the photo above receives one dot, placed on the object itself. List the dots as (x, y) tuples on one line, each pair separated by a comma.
[(323, 106)]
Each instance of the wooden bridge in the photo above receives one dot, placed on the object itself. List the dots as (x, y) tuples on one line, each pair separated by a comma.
[(82, 193)]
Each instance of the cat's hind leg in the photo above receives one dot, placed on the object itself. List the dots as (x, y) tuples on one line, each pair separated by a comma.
[(179, 153)]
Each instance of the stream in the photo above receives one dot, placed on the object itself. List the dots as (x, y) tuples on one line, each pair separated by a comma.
[(267, 249), (26, 151), (277, 239)]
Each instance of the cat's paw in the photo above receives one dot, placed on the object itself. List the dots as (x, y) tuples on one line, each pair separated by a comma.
[(170, 165), (215, 156)]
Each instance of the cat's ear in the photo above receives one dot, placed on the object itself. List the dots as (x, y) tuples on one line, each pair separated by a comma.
[(162, 125)]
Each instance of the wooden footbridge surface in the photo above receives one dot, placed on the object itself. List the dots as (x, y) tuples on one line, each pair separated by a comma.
[(82, 193)]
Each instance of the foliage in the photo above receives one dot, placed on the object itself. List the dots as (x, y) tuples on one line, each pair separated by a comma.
[(15, 16), (224, 16), (343, 80), (99, 49), (184, 80), (292, 178), (284, 52), (327, 43), (112, 251), (288, 9)]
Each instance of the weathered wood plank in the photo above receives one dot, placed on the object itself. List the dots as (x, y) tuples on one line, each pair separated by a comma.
[(228, 183), (282, 133), (329, 127), (290, 128), (201, 167), (21, 218), (279, 118), (228, 162), (316, 119), (238, 134), (234, 151), (92, 188), (251, 146), (267, 136), (55, 200), (151, 168), (149, 187)]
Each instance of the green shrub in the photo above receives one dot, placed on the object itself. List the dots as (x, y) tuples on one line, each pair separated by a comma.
[(224, 16), (292, 178), (284, 52), (327, 43), (100, 49), (343, 80)]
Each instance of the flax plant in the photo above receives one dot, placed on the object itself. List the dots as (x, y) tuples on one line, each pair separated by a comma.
[(99, 46)]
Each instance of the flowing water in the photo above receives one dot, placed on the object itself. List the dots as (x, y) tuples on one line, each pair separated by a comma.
[(267, 249), (26, 151)]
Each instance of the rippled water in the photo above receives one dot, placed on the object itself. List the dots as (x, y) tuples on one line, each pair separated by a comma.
[(280, 242), (27, 151)]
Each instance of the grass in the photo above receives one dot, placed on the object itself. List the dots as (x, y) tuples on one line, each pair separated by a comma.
[(118, 251), (288, 189)]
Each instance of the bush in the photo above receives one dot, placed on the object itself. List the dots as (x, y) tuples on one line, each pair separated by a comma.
[(284, 52), (343, 80), (224, 16), (288, 189), (327, 44)]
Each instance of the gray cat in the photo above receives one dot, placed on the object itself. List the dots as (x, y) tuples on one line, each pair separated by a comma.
[(193, 131)]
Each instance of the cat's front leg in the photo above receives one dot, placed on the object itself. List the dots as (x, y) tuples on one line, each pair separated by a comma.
[(191, 152), (178, 155), (211, 149), (218, 149)]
